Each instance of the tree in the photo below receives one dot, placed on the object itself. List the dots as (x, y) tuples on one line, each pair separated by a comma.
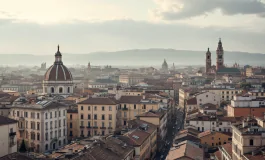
[(23, 147)]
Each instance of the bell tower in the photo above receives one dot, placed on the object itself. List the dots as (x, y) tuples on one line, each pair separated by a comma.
[(219, 56), (208, 61)]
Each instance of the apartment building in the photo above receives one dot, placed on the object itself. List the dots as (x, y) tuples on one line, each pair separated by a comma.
[(225, 94), (246, 105), (224, 152), (72, 124), (131, 106), (43, 125), (159, 119), (131, 79), (184, 94), (143, 137), (213, 139), (248, 140), (97, 116), (212, 123), (8, 137)]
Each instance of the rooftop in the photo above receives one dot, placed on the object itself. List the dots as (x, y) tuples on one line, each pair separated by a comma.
[(6, 121), (186, 149), (101, 101)]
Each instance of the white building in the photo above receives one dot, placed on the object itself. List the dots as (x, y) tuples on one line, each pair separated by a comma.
[(204, 123), (42, 125), (58, 79), (207, 97), (8, 138)]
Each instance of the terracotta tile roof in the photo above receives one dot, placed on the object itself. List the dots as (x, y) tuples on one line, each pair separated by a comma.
[(192, 101), (187, 150), (148, 114), (205, 133), (5, 121), (131, 99), (99, 101), (16, 156)]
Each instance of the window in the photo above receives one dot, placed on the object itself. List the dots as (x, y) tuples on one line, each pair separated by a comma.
[(50, 114), (103, 117), (212, 144), (38, 136), (103, 133), (95, 124), (71, 117), (103, 108), (68, 89), (55, 124), (134, 106), (64, 112), (95, 108), (60, 90), (51, 124), (144, 106), (251, 142), (46, 125), (18, 113), (110, 117), (46, 147), (95, 116), (59, 123), (103, 124), (88, 124), (64, 123), (88, 108), (89, 116), (26, 114), (59, 133), (198, 128), (55, 114), (220, 129), (206, 95), (38, 126), (52, 90), (110, 124), (38, 116), (82, 108), (110, 108), (125, 114), (82, 116), (202, 129), (59, 113), (51, 134)]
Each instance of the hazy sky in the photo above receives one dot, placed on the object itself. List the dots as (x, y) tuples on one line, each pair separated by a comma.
[(83, 26)]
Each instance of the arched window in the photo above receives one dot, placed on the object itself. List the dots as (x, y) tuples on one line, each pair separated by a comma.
[(251, 142), (52, 90), (60, 90), (46, 147), (68, 89)]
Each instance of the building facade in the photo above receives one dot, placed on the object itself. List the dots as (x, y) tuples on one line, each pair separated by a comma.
[(42, 125)]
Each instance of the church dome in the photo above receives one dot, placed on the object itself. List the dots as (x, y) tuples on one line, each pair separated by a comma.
[(58, 71)]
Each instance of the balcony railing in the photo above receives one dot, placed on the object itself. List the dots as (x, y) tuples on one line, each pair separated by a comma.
[(109, 127), (82, 127), (102, 127), (11, 134), (95, 127), (124, 109), (88, 127)]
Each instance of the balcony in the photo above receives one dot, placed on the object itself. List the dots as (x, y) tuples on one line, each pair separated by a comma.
[(109, 127), (124, 109), (88, 127), (11, 134), (82, 127), (102, 127), (95, 127)]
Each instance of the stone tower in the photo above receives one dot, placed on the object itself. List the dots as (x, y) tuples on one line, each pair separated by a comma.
[(219, 56), (208, 61)]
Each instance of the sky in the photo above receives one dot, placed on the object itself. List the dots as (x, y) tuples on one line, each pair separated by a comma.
[(84, 26)]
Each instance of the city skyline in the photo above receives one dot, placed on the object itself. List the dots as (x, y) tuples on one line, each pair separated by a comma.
[(86, 26)]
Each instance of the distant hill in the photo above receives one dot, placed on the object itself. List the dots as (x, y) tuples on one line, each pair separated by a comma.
[(146, 57)]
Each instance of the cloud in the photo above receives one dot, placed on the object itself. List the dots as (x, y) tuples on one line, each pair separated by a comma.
[(182, 9), (113, 35)]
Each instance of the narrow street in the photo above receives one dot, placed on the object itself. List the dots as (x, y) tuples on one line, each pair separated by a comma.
[(173, 128)]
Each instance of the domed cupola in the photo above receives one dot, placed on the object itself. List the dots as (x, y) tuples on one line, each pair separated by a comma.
[(58, 79)]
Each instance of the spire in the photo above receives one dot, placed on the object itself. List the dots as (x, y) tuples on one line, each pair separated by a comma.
[(208, 49), (58, 56), (58, 48)]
